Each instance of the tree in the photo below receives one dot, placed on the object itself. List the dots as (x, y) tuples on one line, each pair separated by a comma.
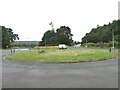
[(117, 37), (49, 38), (61, 36), (64, 35), (102, 34), (8, 37)]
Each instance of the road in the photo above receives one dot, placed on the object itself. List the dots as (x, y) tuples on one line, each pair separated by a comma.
[(100, 74)]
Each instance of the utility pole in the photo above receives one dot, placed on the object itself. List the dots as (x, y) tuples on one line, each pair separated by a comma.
[(11, 47), (45, 40), (86, 41), (113, 42)]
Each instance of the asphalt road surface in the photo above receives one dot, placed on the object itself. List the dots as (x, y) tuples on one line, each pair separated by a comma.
[(100, 74)]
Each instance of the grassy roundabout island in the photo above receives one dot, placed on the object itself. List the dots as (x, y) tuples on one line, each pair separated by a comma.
[(60, 56)]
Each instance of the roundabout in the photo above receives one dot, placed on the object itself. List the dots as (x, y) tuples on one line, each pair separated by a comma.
[(101, 74), (62, 56)]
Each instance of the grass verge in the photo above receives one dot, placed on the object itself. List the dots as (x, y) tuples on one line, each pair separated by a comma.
[(57, 56)]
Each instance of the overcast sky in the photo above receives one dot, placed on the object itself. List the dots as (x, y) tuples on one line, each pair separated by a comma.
[(31, 18)]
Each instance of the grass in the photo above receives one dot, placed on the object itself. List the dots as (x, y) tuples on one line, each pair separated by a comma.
[(56, 56)]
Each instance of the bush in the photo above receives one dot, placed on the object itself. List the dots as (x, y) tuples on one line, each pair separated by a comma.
[(42, 51), (100, 45)]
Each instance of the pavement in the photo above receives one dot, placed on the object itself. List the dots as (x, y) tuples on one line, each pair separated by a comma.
[(99, 74)]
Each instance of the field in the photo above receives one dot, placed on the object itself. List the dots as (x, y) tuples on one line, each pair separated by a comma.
[(60, 56)]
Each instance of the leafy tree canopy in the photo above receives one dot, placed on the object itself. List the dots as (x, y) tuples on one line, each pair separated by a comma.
[(8, 36), (102, 33), (62, 35)]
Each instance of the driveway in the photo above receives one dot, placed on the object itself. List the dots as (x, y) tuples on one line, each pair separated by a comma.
[(100, 74)]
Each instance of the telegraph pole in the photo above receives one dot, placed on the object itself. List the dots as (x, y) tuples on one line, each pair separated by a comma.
[(113, 41), (11, 47), (45, 40), (86, 41)]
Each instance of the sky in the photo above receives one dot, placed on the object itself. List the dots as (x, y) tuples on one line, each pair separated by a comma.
[(30, 18)]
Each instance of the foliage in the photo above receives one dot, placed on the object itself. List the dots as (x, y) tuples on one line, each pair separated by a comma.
[(49, 38), (62, 35), (98, 45), (102, 34), (8, 36)]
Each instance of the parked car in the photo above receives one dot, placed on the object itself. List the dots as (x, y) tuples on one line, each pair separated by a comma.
[(62, 46)]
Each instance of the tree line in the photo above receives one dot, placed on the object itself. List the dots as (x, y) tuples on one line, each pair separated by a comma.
[(51, 37), (103, 34), (63, 35)]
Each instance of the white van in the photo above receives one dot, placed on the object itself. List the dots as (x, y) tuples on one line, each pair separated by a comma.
[(62, 46)]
